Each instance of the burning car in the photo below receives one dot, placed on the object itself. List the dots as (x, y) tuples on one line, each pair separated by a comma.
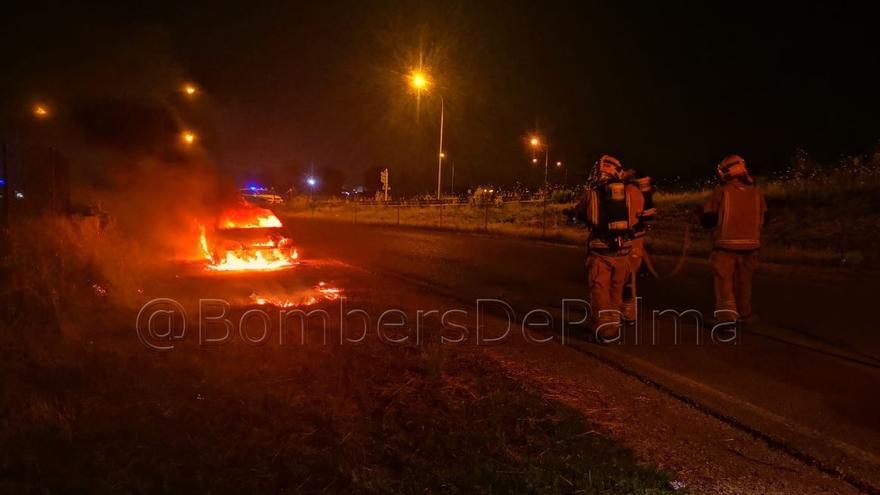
[(247, 238)]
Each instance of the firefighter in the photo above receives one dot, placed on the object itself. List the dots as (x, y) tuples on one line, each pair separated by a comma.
[(736, 211), (609, 208), (641, 223)]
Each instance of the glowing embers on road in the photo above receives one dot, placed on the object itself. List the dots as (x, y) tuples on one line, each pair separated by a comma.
[(247, 238), (320, 292)]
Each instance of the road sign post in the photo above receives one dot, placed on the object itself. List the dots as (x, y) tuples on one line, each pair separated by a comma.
[(386, 185)]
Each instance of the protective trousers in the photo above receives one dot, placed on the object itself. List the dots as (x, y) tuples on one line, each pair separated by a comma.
[(607, 274), (733, 272), (629, 287)]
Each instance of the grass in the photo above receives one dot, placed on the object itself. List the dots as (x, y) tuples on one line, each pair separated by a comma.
[(103, 415), (89, 409), (835, 222)]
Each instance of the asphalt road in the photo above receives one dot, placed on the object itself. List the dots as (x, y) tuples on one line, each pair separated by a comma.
[(804, 379)]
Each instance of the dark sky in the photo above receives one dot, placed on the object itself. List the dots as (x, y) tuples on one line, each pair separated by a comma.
[(670, 87)]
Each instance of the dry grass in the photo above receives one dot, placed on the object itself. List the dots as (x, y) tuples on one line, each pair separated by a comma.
[(91, 410), (832, 222)]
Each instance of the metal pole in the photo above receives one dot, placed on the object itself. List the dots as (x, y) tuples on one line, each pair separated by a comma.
[(452, 182), (546, 161), (440, 152), (546, 191)]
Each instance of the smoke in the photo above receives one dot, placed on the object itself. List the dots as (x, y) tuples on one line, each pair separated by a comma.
[(117, 115), (155, 187)]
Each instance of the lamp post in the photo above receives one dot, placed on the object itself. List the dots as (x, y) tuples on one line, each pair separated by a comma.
[(536, 143), (440, 152), (420, 82), (559, 164)]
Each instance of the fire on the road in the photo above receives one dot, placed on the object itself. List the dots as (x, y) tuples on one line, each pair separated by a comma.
[(247, 238), (321, 292)]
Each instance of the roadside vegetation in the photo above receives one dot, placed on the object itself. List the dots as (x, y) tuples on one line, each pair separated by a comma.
[(819, 216), (86, 408)]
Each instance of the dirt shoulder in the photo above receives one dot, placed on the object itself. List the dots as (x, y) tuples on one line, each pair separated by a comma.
[(706, 454)]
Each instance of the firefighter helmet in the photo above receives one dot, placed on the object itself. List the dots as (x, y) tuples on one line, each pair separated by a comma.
[(606, 168), (732, 167)]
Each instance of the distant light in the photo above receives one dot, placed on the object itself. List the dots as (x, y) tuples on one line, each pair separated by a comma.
[(419, 80), (311, 181), (442, 155), (189, 89), (534, 160), (40, 111), (558, 164), (19, 194), (188, 137), (534, 141)]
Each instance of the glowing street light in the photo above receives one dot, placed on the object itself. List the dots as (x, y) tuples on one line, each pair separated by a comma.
[(40, 111), (420, 81), (190, 89), (442, 155), (311, 181), (558, 164), (188, 137), (539, 144)]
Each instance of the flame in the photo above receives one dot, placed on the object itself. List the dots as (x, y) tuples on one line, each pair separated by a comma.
[(259, 260), (203, 243), (306, 298), (329, 293), (273, 252), (248, 217)]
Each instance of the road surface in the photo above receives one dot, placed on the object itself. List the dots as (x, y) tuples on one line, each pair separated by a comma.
[(803, 380)]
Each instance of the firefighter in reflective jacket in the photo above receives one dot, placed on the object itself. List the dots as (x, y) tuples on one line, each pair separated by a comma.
[(641, 223), (610, 209), (737, 212)]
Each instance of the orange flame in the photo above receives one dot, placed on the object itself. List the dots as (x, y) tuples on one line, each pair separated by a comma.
[(273, 253), (305, 298), (250, 217), (260, 260)]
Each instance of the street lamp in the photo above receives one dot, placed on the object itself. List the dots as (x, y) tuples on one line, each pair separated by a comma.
[(559, 164), (40, 111), (537, 144), (188, 138), (312, 182), (420, 81), (190, 89)]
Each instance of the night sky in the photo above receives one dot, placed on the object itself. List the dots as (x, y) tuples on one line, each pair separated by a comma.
[(669, 87)]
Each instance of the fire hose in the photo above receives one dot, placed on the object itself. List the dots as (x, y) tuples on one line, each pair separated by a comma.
[(680, 262)]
